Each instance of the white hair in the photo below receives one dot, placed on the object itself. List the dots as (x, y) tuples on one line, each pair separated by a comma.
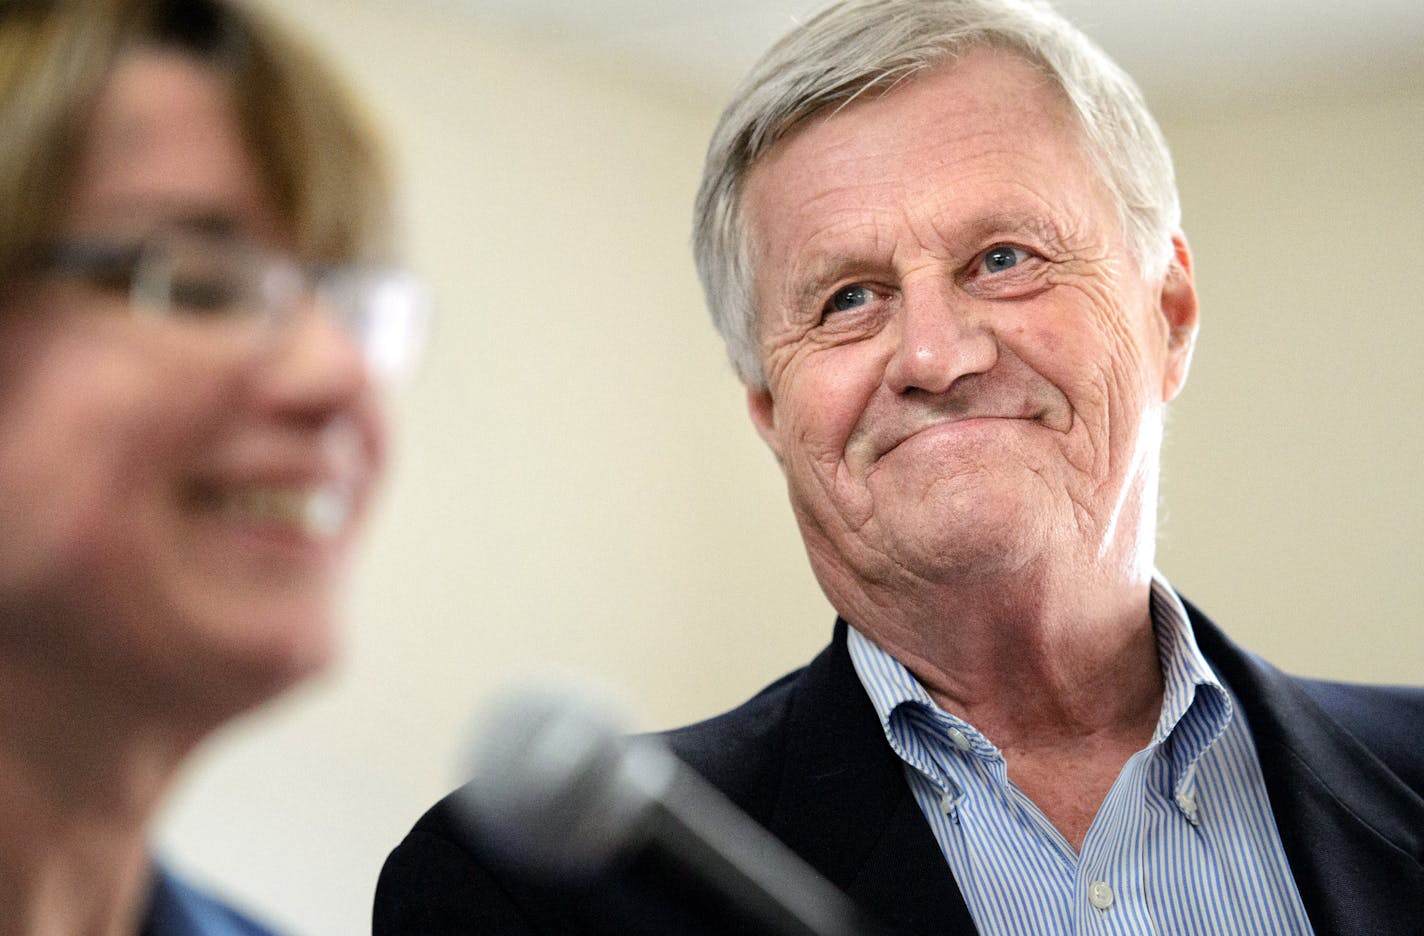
[(866, 47)]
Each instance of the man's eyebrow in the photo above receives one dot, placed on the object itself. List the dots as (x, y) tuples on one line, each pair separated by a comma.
[(815, 276), (1005, 224)]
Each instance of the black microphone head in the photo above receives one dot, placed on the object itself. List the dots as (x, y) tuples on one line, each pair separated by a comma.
[(556, 786)]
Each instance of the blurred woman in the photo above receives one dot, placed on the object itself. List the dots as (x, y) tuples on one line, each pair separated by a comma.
[(193, 332)]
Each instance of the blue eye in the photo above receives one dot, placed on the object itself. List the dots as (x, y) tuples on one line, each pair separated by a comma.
[(849, 297), (998, 259)]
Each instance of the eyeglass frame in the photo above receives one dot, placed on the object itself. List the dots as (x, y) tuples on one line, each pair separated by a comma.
[(386, 311)]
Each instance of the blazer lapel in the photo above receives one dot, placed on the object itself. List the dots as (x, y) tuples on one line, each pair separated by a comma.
[(838, 764), (1352, 831)]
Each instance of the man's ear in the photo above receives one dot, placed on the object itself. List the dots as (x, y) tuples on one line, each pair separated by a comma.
[(1178, 305), (763, 412)]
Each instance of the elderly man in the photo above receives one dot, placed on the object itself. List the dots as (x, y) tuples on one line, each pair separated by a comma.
[(940, 238)]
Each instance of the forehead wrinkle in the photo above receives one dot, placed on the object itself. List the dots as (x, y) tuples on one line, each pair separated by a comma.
[(1013, 206), (857, 243), (971, 233)]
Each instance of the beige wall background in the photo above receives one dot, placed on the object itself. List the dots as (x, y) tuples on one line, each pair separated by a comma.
[(576, 485)]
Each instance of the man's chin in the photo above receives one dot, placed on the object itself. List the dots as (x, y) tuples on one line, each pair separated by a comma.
[(963, 538)]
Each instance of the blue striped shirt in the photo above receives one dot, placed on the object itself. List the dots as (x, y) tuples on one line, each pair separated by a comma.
[(1184, 843)]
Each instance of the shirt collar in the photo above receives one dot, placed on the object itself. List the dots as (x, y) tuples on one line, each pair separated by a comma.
[(1196, 707), (911, 721)]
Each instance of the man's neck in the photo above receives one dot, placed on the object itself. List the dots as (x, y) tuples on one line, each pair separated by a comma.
[(1062, 676)]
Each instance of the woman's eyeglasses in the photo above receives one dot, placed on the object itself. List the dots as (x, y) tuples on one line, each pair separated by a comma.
[(386, 312)]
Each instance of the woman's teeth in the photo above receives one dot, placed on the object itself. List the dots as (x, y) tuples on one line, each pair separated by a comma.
[(318, 511)]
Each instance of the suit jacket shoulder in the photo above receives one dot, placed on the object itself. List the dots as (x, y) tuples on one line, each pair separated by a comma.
[(1343, 785), (807, 759), (742, 751), (1389, 720)]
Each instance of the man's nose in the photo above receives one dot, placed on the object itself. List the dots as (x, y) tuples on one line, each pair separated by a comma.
[(942, 336)]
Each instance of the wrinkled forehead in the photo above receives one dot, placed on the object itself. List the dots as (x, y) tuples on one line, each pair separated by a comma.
[(987, 104), (1023, 82)]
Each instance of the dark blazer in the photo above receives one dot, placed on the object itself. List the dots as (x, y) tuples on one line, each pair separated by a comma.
[(806, 757)]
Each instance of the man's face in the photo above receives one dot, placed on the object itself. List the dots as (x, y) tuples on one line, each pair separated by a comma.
[(965, 367)]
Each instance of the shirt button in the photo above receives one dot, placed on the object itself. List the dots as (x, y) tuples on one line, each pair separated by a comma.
[(956, 738), (1100, 894)]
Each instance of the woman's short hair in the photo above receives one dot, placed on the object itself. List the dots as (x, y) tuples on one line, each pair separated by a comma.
[(319, 160)]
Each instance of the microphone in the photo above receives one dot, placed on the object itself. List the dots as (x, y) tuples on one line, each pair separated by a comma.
[(560, 790)]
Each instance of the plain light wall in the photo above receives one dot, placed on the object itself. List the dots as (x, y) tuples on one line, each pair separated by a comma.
[(576, 483), (1293, 508)]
